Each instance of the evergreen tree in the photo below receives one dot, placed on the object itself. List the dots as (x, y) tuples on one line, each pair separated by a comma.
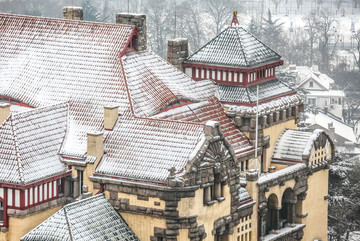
[(254, 28), (272, 33)]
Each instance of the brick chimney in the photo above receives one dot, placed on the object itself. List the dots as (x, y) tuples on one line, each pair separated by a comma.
[(74, 13), (177, 52), (111, 114), (139, 20), (95, 145), (4, 112)]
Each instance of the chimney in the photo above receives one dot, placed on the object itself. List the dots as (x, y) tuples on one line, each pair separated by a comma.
[(95, 145), (315, 68), (139, 20), (74, 13), (4, 111), (111, 114), (331, 132), (177, 52)]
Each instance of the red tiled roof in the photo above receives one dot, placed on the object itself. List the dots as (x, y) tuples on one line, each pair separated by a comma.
[(144, 149), (44, 60), (153, 83), (210, 110), (30, 141)]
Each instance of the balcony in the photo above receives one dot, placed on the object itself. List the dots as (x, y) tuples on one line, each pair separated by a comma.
[(289, 232)]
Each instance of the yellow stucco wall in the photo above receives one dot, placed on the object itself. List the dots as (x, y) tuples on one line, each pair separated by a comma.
[(143, 226), (252, 189), (274, 133), (18, 227), (279, 190), (316, 207), (133, 200), (206, 214)]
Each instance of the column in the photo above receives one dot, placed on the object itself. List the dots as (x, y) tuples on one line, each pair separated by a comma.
[(217, 190)]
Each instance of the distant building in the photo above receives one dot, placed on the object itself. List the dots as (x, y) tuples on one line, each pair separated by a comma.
[(319, 89)]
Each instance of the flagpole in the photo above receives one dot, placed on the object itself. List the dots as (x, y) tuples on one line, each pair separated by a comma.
[(256, 128)]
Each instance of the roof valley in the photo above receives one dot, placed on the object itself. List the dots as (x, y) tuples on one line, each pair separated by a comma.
[(68, 224)]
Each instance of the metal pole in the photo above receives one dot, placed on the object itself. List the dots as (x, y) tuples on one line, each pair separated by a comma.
[(256, 128), (175, 20), (128, 7)]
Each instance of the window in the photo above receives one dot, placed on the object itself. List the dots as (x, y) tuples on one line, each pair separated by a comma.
[(247, 165), (1, 212), (81, 181), (60, 186), (311, 84)]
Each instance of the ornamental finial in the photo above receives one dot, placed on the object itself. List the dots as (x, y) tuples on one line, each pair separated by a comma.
[(234, 21)]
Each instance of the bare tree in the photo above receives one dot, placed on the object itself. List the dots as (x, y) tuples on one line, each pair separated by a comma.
[(311, 29), (326, 26), (220, 12), (276, 3), (356, 52)]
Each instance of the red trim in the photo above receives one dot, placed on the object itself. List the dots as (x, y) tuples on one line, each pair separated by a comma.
[(133, 33), (5, 216), (23, 187), (250, 148), (168, 107), (130, 179), (260, 102), (259, 73), (14, 101), (243, 203), (73, 158), (287, 160), (101, 189)]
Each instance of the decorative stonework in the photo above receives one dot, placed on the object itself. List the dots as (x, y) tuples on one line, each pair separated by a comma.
[(213, 164)]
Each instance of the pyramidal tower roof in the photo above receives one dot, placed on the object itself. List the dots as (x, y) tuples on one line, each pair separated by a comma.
[(234, 47)]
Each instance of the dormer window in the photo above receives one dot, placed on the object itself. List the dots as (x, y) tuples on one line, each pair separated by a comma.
[(175, 104)]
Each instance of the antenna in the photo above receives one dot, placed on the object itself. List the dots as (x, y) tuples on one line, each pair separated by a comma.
[(175, 19), (128, 6)]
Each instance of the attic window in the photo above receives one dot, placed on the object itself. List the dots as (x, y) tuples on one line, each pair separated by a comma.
[(175, 104), (311, 84), (13, 101)]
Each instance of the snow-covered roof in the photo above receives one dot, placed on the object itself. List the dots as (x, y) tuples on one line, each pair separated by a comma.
[(239, 94), (244, 195), (322, 120), (92, 218), (210, 110), (330, 93), (267, 107), (293, 144), (145, 149), (305, 74), (44, 60), (30, 142), (153, 84), (234, 47)]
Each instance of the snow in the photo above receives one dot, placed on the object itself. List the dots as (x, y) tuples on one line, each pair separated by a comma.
[(330, 93), (341, 129), (267, 177)]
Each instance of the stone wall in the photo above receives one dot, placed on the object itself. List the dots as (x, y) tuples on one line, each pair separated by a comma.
[(177, 52), (139, 20)]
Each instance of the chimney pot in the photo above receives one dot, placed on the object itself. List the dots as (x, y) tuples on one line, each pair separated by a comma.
[(111, 114), (72, 12), (139, 20), (177, 52), (95, 145)]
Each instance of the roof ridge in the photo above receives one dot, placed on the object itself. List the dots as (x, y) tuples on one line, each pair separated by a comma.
[(64, 20), (18, 157), (211, 40), (265, 45), (241, 47), (67, 223), (40, 108)]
